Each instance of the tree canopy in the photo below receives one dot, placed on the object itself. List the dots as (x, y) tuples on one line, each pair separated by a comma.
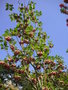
[(48, 71)]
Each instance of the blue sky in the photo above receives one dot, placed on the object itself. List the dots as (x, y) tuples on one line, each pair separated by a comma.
[(54, 24)]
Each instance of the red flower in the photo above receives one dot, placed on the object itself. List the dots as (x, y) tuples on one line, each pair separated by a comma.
[(61, 5)]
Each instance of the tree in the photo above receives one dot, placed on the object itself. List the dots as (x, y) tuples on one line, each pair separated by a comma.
[(47, 73), (64, 9)]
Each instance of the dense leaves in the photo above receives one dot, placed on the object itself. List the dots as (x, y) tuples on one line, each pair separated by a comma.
[(29, 50), (64, 9)]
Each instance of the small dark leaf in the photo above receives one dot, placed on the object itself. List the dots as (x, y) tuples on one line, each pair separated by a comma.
[(5, 43), (67, 51), (1, 39), (1, 46), (7, 6)]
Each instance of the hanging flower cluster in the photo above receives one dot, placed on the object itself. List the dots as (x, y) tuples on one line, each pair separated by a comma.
[(64, 9)]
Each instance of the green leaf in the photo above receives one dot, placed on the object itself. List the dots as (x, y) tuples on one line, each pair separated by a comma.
[(14, 32), (1, 46), (48, 37), (34, 6), (39, 34), (18, 25), (14, 42), (38, 13), (6, 33), (6, 48), (29, 28), (67, 51), (11, 17), (5, 43), (62, 9), (7, 6), (40, 23), (1, 39), (11, 30), (11, 7), (30, 7), (40, 29), (21, 4)]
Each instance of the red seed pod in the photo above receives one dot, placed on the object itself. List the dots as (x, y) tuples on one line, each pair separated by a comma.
[(60, 71), (60, 64), (47, 61), (24, 33), (40, 77), (26, 41), (6, 66), (31, 59), (21, 42), (17, 78), (18, 20), (33, 30), (53, 63), (45, 49), (12, 47), (28, 62), (25, 59), (22, 71), (31, 34), (36, 39), (19, 35), (51, 45), (16, 52), (19, 29), (19, 71), (26, 8), (44, 88), (25, 26), (54, 73), (49, 74), (38, 67), (21, 8), (16, 59), (13, 65), (2, 62), (61, 5), (16, 70), (39, 53), (34, 80), (66, 1), (8, 38), (33, 18), (61, 82), (10, 59)]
